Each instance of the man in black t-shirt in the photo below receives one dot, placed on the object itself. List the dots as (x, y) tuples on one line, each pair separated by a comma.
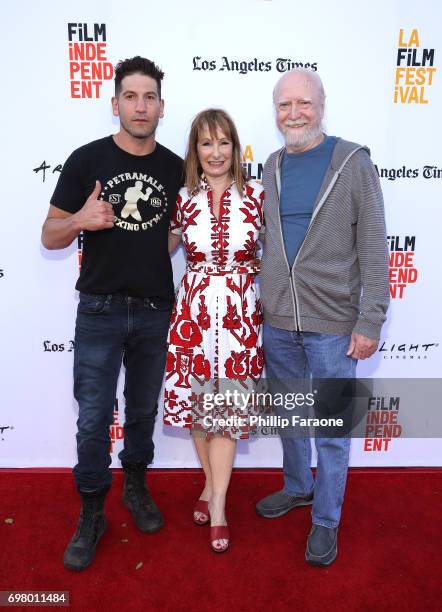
[(119, 191)]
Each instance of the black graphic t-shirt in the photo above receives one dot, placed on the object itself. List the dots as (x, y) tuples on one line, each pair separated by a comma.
[(132, 257)]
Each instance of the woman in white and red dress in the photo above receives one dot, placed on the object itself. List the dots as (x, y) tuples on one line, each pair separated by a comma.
[(215, 332)]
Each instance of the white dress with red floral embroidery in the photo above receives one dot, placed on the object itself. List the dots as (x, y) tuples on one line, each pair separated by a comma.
[(215, 331)]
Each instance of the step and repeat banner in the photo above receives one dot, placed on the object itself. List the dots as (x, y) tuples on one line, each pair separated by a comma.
[(380, 64)]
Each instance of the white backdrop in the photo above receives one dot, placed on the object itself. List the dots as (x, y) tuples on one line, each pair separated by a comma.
[(353, 45)]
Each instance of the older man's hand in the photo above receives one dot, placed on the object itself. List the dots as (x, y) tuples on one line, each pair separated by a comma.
[(361, 347)]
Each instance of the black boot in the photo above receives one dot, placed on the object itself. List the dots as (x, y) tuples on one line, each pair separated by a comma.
[(137, 499), (91, 526)]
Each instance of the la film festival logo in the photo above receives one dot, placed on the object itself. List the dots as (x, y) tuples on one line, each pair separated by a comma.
[(414, 70), (252, 168), (402, 271), (382, 423), (88, 63)]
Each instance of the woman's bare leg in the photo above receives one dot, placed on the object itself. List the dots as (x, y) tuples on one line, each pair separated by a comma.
[(221, 456), (202, 449)]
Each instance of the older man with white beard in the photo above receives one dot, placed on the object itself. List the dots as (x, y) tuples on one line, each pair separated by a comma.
[(324, 287)]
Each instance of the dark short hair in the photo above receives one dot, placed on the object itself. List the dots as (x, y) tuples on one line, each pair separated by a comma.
[(137, 65)]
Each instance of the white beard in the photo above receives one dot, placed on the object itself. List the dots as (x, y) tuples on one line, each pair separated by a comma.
[(301, 138)]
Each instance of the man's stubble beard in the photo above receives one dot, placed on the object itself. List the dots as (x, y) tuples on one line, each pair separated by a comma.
[(141, 136)]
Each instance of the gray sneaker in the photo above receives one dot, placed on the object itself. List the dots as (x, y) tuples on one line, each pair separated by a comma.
[(279, 503), (322, 546)]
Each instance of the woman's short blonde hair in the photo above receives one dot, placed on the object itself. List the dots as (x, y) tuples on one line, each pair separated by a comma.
[(213, 119)]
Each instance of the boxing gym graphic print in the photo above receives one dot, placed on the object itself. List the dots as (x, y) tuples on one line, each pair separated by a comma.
[(88, 63), (402, 271), (414, 70), (139, 201)]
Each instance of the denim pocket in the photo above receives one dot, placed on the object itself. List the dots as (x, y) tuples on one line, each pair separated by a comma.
[(91, 304)]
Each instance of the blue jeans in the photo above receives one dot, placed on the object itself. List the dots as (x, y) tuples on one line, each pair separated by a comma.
[(111, 330), (300, 355)]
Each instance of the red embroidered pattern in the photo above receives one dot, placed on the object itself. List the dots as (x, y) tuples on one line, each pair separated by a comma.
[(215, 331)]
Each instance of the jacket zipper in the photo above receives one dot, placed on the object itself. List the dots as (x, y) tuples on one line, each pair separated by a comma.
[(293, 292), (324, 197), (314, 215)]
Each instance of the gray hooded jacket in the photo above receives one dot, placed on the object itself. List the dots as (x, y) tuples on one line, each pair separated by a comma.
[(338, 283)]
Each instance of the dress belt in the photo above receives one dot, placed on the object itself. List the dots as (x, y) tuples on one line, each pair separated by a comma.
[(223, 270)]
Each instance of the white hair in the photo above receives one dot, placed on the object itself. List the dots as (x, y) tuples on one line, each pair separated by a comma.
[(310, 74)]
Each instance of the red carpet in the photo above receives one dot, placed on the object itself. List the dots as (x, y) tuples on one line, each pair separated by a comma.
[(389, 547)]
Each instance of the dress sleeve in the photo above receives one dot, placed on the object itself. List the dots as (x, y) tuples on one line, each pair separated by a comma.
[(176, 220)]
